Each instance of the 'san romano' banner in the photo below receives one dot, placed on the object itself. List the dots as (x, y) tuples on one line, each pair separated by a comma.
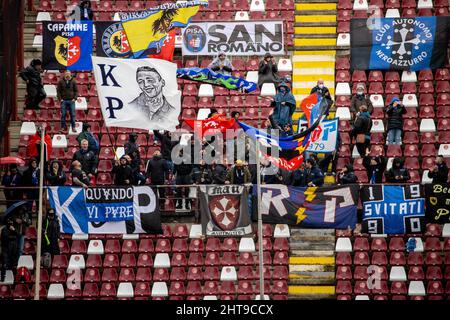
[(224, 211), (67, 45), (391, 209), (414, 43), (72, 205), (138, 94), (236, 38), (438, 203), (331, 207)]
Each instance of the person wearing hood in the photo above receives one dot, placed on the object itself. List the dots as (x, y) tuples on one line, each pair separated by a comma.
[(34, 145), (167, 145), (361, 129), (267, 70), (83, 12), (439, 173), (347, 175), (183, 176), (35, 89), (360, 99), (10, 181), (202, 173), (123, 175), (156, 170), (10, 248), (313, 175), (375, 167), (93, 144), (398, 173), (67, 94), (395, 111), (51, 233), (238, 174), (323, 91), (219, 172), (221, 64), (88, 159), (284, 105), (55, 175)]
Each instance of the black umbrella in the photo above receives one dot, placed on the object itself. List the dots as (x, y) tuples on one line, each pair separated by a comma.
[(11, 210)]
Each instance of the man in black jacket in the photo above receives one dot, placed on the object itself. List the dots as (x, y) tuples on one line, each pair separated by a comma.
[(202, 173), (219, 173), (439, 173), (88, 159), (123, 173), (167, 146), (35, 90), (10, 248), (394, 112), (375, 167), (347, 175), (156, 171), (67, 94), (362, 126), (398, 173), (183, 172), (50, 233), (322, 91)]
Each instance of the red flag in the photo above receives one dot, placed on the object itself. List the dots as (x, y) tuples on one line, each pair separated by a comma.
[(308, 103), (217, 123), (167, 48), (289, 165)]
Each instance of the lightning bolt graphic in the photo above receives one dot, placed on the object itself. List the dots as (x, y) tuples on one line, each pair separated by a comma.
[(301, 215), (310, 194)]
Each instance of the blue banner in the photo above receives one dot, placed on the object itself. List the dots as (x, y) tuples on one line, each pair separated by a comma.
[(217, 79), (324, 137), (104, 210), (393, 209), (312, 207), (414, 43)]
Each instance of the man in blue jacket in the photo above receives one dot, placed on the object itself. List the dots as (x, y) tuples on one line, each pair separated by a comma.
[(313, 174)]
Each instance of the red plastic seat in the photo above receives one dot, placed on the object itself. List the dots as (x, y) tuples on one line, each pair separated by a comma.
[(426, 87), (144, 275), (344, 287), (343, 273), (361, 258), (128, 260), (343, 259), (435, 288), (94, 261), (345, 5), (108, 290), (397, 259), (342, 101), (127, 275), (90, 291), (110, 275), (433, 258), (394, 151), (229, 259), (146, 246), (112, 246), (163, 246), (229, 244), (428, 150), (279, 258), (60, 262), (427, 137), (344, 76), (21, 291), (410, 125), (92, 275), (409, 87), (411, 150), (145, 260), (142, 289), (196, 259), (178, 274), (434, 273), (379, 258), (392, 88), (213, 245), (58, 276), (78, 247), (178, 260), (376, 88), (111, 261), (161, 274), (415, 259), (195, 274), (398, 288), (415, 273), (361, 244), (180, 245), (433, 244)]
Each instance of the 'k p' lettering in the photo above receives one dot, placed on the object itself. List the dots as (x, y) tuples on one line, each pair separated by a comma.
[(107, 75), (113, 104)]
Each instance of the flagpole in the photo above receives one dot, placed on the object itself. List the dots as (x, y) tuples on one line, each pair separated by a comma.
[(113, 143), (260, 226), (39, 222)]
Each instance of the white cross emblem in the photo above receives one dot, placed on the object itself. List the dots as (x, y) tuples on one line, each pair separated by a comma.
[(225, 210), (401, 45)]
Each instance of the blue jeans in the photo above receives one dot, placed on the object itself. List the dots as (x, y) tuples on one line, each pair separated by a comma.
[(394, 136), (70, 105)]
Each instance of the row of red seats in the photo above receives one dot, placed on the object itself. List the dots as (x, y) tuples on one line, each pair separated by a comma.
[(407, 87), (409, 125), (362, 258), (389, 76), (415, 273), (410, 163), (397, 288), (390, 4)]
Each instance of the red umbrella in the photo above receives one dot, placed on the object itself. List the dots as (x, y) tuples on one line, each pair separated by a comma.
[(12, 160)]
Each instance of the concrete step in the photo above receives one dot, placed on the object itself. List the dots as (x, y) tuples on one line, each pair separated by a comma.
[(315, 6), (316, 1), (314, 12), (312, 253), (311, 260), (324, 18), (318, 48), (297, 54), (312, 245), (314, 36), (313, 30), (311, 278)]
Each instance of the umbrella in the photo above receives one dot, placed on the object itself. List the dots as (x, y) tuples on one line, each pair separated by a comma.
[(12, 208), (12, 160)]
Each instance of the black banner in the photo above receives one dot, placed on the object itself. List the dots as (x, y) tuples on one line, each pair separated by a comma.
[(111, 40), (437, 203), (224, 211)]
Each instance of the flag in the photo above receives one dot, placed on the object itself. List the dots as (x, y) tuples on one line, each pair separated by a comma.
[(412, 44), (308, 104), (213, 125), (217, 79), (285, 164), (167, 48), (146, 30), (138, 94), (111, 40), (224, 211), (67, 45)]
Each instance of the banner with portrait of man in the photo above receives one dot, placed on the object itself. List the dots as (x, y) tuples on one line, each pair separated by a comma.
[(140, 94)]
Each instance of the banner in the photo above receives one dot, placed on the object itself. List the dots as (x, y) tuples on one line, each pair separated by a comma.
[(438, 203), (139, 94), (323, 138), (67, 45), (109, 204), (217, 79), (312, 207), (413, 44), (111, 40), (224, 211), (146, 30), (167, 48), (217, 123), (391, 209), (71, 206), (237, 38)]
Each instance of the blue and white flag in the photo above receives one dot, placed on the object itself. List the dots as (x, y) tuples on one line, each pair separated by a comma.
[(324, 137), (413, 43), (79, 213), (389, 209)]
